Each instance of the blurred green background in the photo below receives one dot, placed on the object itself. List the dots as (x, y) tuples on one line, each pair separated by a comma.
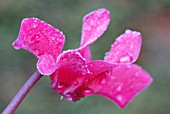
[(150, 17)]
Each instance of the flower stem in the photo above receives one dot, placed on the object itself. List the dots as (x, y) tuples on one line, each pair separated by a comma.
[(13, 105)]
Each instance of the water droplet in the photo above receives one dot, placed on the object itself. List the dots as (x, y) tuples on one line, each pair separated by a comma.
[(126, 58), (61, 97), (106, 55), (87, 92), (68, 96), (137, 74), (37, 37), (131, 46), (130, 88), (113, 77), (25, 42), (34, 25), (128, 31), (102, 81), (119, 88), (37, 52), (86, 81), (83, 73), (119, 98), (87, 27), (108, 73), (53, 38), (128, 66), (60, 87), (88, 71), (76, 83)]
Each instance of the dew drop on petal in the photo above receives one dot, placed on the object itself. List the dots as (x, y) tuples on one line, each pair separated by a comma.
[(128, 31), (61, 97), (87, 92), (68, 96), (106, 55), (83, 73), (102, 81), (60, 87), (119, 88), (119, 98), (126, 58), (34, 25), (76, 83), (137, 74)]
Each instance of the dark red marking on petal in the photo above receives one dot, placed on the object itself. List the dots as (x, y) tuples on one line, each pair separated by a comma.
[(71, 71)]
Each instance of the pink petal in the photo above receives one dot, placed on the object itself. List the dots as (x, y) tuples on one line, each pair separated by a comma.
[(94, 25), (39, 38), (98, 66), (85, 53), (46, 65), (121, 84), (80, 90), (126, 48), (70, 74)]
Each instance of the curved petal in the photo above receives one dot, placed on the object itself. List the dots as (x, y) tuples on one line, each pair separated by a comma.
[(98, 66), (39, 38), (86, 53), (121, 84), (94, 25), (70, 74), (46, 64), (43, 40), (74, 84), (126, 48)]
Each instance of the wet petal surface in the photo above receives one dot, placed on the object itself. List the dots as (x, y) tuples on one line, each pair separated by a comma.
[(71, 73), (39, 38), (86, 53), (121, 84), (46, 65), (126, 48), (94, 25)]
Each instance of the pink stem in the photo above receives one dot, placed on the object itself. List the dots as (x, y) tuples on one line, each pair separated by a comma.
[(13, 105)]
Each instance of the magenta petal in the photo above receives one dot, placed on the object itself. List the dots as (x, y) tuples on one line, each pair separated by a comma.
[(126, 48), (46, 65), (98, 66), (85, 53), (94, 25), (39, 38), (121, 84), (71, 73)]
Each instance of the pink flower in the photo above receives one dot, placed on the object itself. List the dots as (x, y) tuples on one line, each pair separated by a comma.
[(72, 72)]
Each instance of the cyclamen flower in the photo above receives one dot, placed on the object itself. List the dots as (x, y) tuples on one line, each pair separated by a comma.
[(72, 72)]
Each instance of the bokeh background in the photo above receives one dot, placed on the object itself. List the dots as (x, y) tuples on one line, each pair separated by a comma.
[(150, 17)]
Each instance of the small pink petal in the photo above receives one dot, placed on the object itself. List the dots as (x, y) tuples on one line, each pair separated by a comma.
[(121, 84), (94, 25), (86, 53), (126, 48), (71, 72), (39, 38), (98, 66), (46, 64)]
